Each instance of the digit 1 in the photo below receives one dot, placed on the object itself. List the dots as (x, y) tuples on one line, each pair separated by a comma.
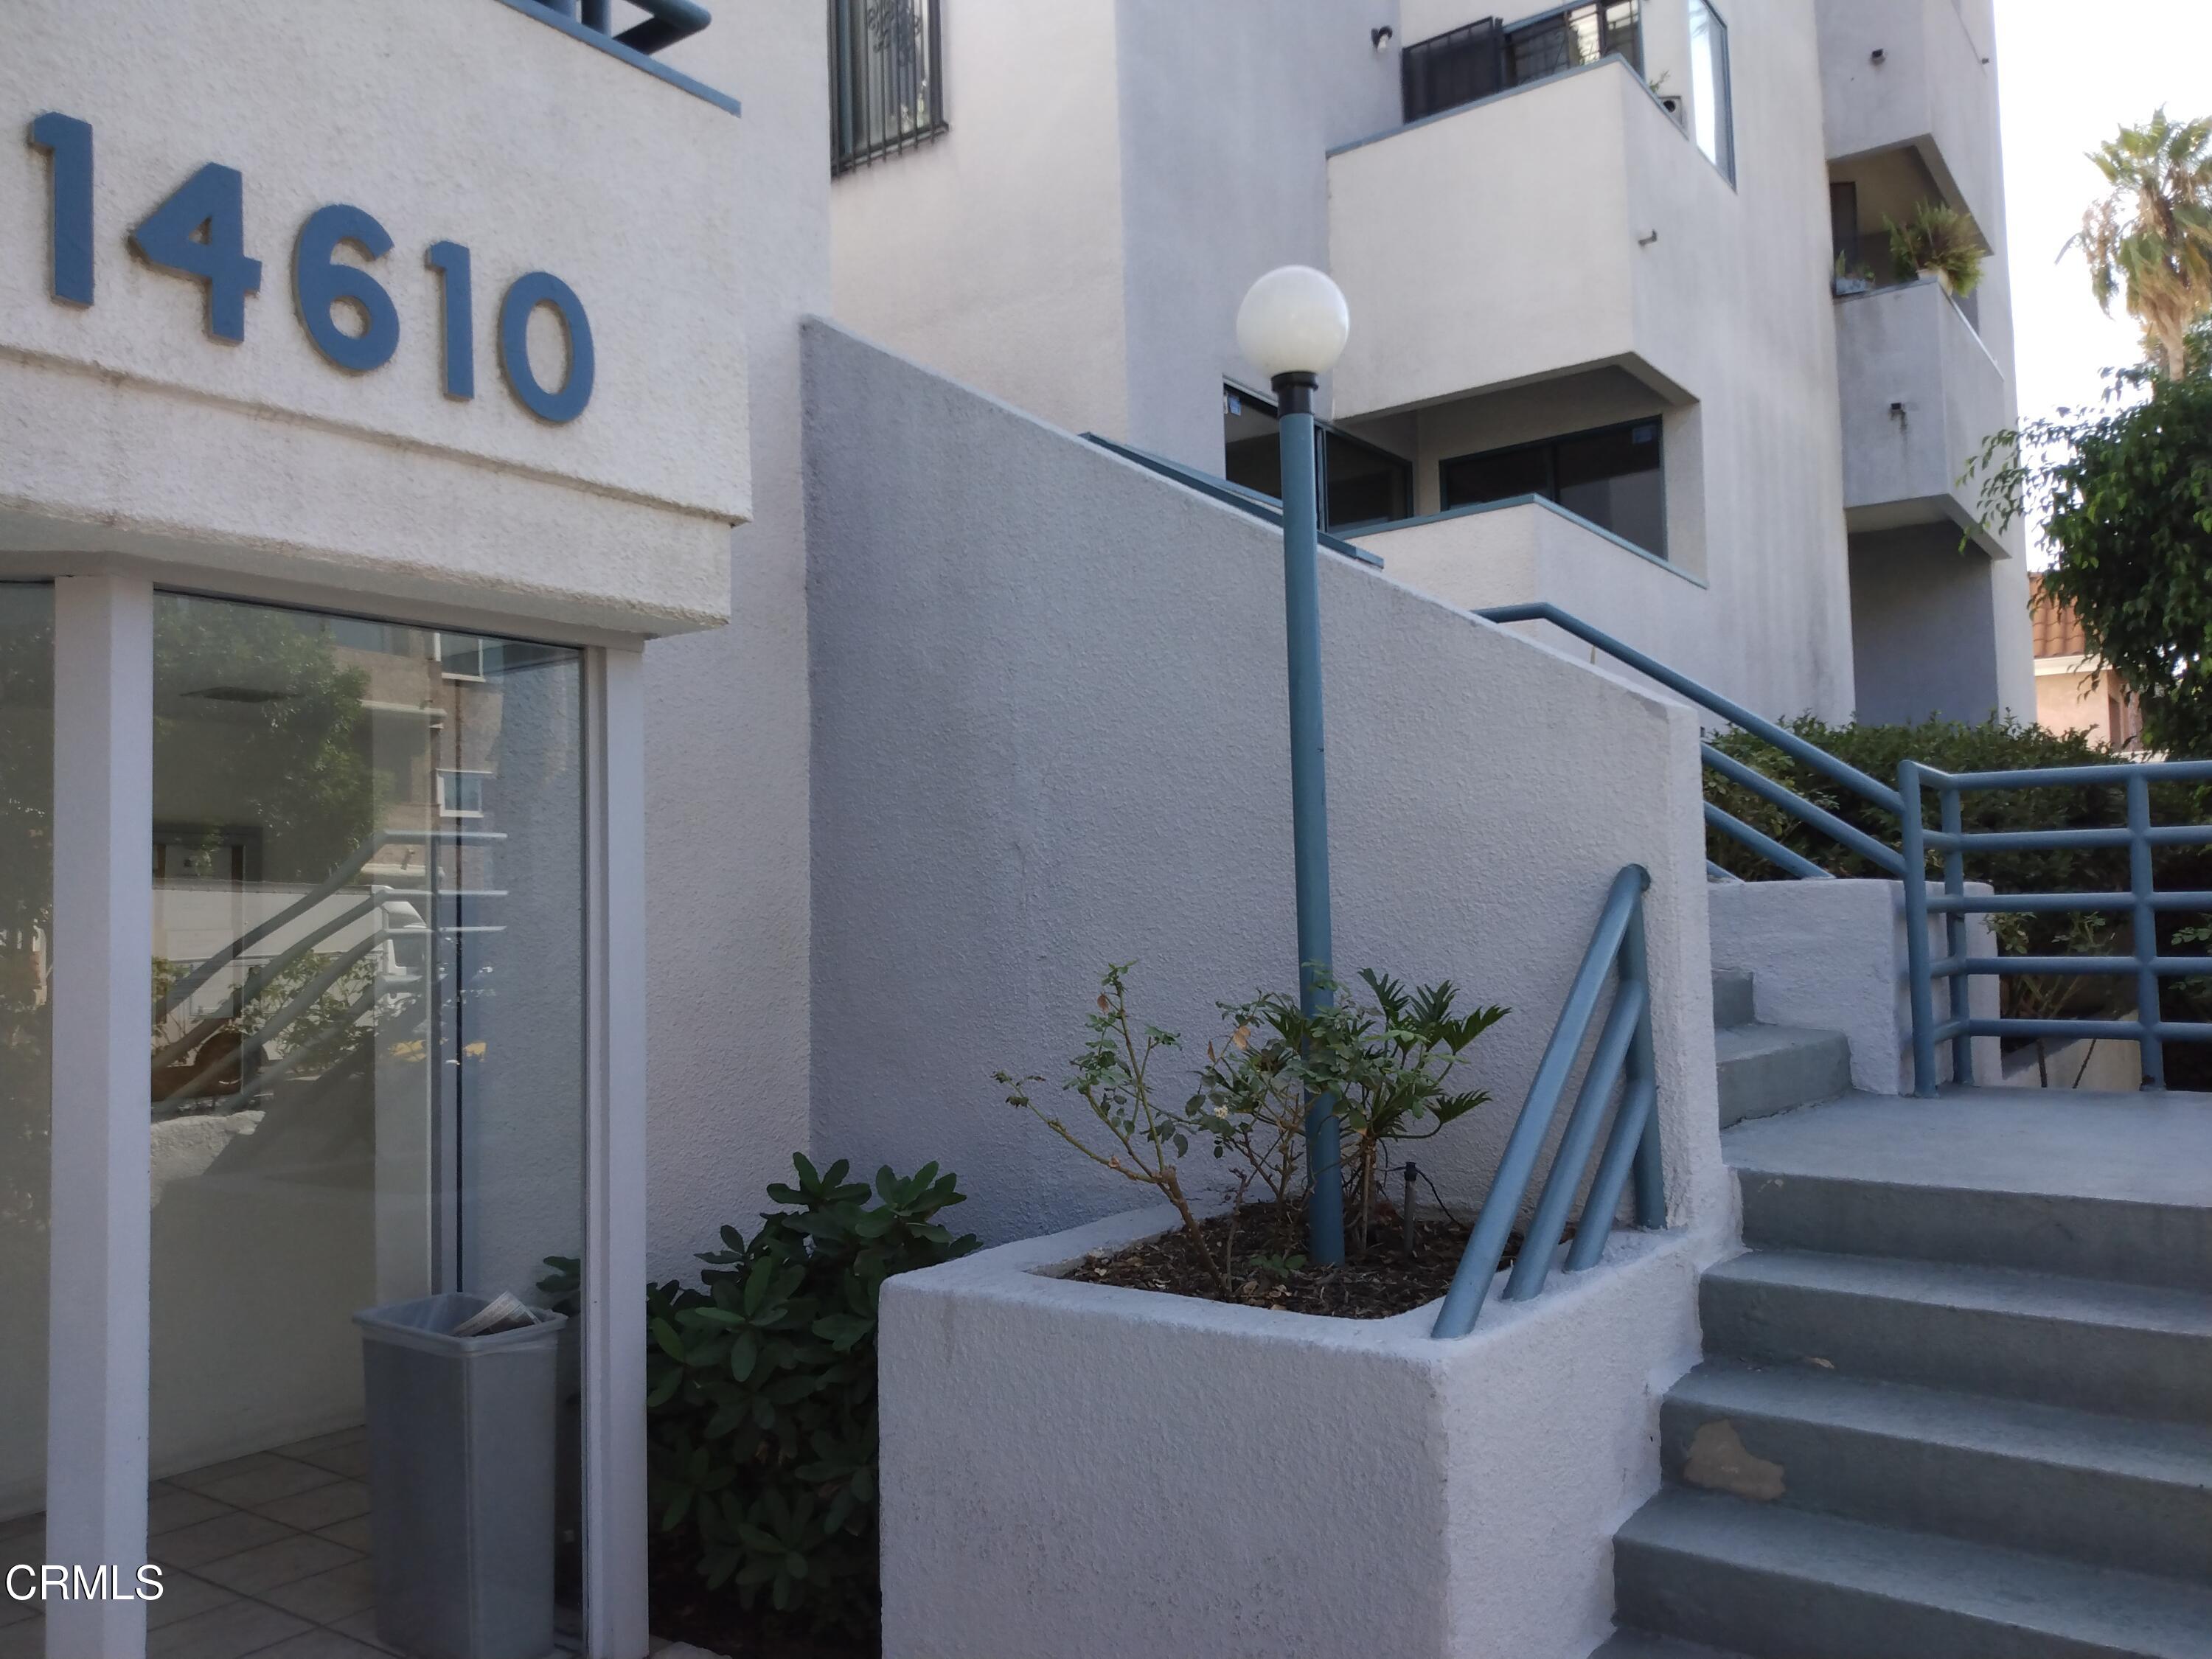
[(451, 261), (68, 143)]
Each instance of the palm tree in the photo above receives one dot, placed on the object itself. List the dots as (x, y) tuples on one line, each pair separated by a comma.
[(2151, 234)]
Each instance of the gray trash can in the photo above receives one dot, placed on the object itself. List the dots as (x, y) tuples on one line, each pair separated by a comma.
[(461, 1451)]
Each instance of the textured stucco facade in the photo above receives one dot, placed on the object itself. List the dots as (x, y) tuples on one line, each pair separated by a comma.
[(1049, 724), (1554, 258)]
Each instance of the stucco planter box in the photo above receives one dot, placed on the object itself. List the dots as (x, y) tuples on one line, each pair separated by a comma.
[(1073, 1469)]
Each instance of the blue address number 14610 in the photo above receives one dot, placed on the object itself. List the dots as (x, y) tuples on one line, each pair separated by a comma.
[(199, 233)]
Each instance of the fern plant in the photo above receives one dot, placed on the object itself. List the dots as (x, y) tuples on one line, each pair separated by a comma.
[(1939, 241)]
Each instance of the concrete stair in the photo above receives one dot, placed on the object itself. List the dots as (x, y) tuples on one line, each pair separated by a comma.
[(1957, 1396), (1768, 1069)]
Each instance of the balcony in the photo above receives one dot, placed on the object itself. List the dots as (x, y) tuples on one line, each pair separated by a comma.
[(1921, 395), (1468, 270), (1515, 552), (1915, 74)]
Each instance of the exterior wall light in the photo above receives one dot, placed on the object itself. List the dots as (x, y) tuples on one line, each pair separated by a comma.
[(1293, 325)]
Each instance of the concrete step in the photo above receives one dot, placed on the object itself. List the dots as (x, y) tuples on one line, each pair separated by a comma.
[(2105, 1491), (2115, 1187), (2134, 1350), (1767, 1069), (1732, 997), (1635, 1644), (1780, 1583)]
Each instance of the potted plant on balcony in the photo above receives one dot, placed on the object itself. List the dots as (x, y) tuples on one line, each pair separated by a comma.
[(1938, 241), (1849, 282)]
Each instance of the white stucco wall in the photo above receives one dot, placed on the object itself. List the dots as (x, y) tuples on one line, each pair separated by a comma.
[(726, 759), (1921, 393), (1933, 89), (1726, 317), (1938, 630), (1517, 553), (1050, 732), (995, 252), (1210, 200), (1147, 1480), (127, 428)]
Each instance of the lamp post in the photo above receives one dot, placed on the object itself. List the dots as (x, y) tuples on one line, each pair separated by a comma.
[(1293, 325)]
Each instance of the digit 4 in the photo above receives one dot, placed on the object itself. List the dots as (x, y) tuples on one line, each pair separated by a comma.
[(200, 233)]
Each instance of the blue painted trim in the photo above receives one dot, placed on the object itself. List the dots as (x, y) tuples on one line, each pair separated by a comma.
[(1264, 507), (630, 55), (1547, 503)]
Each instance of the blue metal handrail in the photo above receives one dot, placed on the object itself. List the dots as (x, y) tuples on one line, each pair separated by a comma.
[(2142, 902), (666, 22), (1622, 1056), (1883, 858)]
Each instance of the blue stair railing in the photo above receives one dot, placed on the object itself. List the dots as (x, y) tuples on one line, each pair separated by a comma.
[(1622, 1060), (1885, 858), (2142, 903)]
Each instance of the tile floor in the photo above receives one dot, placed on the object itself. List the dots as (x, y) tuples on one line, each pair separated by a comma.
[(266, 1555)]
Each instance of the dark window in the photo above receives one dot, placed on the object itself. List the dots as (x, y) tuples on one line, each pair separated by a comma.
[(1478, 59), (1611, 476), (1359, 483), (886, 78)]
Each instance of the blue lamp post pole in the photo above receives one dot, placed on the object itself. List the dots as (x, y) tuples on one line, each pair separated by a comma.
[(1293, 325)]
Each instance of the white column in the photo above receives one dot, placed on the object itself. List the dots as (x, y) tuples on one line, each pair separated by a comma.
[(102, 1001), (615, 1518)]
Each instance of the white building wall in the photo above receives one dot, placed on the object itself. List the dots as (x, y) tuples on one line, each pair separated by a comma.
[(1050, 734), (726, 838), (995, 252), (127, 427), (1226, 111)]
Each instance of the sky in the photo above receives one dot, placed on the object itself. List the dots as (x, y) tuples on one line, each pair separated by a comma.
[(2071, 74)]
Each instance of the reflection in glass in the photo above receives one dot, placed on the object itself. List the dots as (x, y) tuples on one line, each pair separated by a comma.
[(365, 1089), (27, 799)]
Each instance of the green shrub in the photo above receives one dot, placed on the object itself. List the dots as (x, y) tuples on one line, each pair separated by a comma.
[(1995, 746), (761, 1407)]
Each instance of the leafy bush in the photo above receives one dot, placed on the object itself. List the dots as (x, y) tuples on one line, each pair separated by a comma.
[(1993, 746), (760, 1408), (2124, 496), (1383, 1066)]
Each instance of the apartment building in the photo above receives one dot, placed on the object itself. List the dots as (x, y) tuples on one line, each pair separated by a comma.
[(1627, 335)]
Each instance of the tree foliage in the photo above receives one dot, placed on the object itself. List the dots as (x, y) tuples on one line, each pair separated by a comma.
[(2124, 498), (2148, 238)]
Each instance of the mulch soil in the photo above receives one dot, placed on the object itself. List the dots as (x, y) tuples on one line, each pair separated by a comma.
[(1377, 1284), (684, 1610)]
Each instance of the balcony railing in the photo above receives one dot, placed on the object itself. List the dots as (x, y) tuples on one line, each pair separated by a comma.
[(666, 22), (1482, 59)]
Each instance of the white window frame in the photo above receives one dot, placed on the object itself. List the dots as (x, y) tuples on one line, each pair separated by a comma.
[(98, 1288)]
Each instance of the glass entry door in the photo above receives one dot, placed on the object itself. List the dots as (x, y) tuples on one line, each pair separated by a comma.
[(366, 1092)]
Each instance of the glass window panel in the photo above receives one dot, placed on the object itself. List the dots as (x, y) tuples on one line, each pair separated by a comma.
[(26, 800), (1252, 455), (1712, 101), (1366, 485), (1613, 476), (1500, 475), (366, 1078)]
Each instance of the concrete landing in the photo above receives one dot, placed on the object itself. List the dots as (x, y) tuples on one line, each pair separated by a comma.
[(2128, 1148)]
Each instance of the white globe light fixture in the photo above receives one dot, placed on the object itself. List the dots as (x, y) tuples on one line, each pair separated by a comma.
[(1293, 321), (1293, 325)]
